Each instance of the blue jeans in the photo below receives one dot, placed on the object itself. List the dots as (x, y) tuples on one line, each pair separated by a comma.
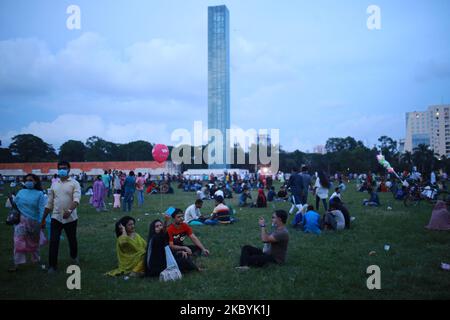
[(297, 219), (324, 201), (128, 202), (140, 195)]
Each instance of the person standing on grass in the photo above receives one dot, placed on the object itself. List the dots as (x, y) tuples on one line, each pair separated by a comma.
[(31, 203), (275, 244), (295, 183), (321, 190), (63, 200), (98, 198), (140, 185), (178, 231), (306, 177), (107, 182), (117, 183), (130, 188)]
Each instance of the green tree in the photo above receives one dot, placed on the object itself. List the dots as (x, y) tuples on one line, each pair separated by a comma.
[(424, 158), (101, 150), (29, 148), (338, 144), (136, 151), (73, 151), (6, 155)]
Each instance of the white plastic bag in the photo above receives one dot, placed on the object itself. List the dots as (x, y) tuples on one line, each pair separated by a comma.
[(172, 272)]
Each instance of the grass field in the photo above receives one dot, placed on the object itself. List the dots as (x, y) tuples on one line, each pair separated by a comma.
[(330, 266)]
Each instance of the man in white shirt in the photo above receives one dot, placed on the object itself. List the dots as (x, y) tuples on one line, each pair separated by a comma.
[(193, 214), (63, 200), (336, 194)]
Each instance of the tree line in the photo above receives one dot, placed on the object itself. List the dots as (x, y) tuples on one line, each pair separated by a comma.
[(344, 155)]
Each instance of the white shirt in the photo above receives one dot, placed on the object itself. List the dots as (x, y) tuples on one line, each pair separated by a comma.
[(321, 192), (60, 198), (219, 193), (335, 195), (191, 213)]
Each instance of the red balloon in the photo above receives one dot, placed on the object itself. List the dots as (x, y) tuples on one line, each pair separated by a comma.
[(160, 153)]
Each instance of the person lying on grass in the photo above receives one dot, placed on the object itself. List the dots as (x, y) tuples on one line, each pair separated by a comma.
[(275, 244), (177, 233), (131, 249)]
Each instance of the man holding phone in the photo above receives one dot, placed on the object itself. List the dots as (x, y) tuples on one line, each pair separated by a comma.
[(63, 200)]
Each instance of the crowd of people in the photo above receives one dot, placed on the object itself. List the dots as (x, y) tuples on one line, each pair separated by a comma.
[(151, 256)]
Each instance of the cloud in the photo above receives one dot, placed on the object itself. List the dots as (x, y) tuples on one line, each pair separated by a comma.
[(433, 70), (157, 68), (81, 127)]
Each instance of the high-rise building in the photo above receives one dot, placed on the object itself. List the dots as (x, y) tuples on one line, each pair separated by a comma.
[(219, 79), (418, 125), (431, 127), (440, 129)]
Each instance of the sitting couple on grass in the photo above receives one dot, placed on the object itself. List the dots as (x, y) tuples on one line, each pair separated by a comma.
[(139, 258), (261, 200), (309, 221), (282, 195), (222, 214)]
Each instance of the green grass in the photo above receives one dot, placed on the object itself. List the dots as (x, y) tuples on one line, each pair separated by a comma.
[(330, 266)]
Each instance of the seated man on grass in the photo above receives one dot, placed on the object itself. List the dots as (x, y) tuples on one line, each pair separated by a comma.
[(221, 214), (275, 244), (192, 215), (243, 198), (177, 232)]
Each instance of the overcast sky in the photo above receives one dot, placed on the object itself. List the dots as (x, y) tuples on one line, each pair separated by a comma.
[(137, 69)]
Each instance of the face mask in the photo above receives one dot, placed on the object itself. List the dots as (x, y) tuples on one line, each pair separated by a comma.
[(29, 184), (63, 173)]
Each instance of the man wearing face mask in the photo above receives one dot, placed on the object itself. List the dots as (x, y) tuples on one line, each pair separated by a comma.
[(63, 200)]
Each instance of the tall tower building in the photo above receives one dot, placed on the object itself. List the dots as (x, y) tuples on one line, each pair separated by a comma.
[(219, 80)]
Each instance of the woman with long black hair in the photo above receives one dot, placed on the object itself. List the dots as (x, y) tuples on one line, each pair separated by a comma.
[(155, 257), (321, 190)]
